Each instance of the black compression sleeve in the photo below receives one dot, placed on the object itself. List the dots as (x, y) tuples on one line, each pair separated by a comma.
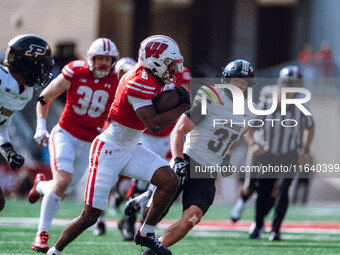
[(194, 113)]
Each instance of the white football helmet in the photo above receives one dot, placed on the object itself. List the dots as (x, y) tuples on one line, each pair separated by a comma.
[(123, 61), (290, 76), (102, 47), (162, 56)]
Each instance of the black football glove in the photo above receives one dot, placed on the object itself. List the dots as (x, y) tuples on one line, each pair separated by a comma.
[(184, 95), (14, 159), (226, 165), (181, 170)]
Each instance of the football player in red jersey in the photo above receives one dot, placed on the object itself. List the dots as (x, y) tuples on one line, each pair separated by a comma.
[(158, 143), (90, 87), (121, 187), (118, 151)]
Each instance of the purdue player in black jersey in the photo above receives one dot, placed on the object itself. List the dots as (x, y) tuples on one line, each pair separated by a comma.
[(28, 63)]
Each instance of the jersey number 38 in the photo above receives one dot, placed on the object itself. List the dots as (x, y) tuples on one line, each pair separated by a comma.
[(92, 103)]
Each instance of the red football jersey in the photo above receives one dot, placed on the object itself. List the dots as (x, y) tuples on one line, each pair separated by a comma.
[(140, 83), (88, 100), (185, 76)]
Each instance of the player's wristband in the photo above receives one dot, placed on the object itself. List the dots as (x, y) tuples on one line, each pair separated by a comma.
[(41, 123), (306, 150)]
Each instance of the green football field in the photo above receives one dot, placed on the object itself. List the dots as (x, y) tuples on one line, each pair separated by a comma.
[(308, 230)]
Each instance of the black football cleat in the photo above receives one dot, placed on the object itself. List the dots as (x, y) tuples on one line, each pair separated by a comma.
[(151, 241), (148, 252), (256, 234), (133, 205)]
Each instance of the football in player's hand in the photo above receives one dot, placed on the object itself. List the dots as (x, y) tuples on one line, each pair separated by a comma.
[(167, 100)]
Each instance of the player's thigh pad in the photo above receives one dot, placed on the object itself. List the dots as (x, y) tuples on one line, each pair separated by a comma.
[(62, 150), (143, 164), (158, 144), (81, 163), (106, 162)]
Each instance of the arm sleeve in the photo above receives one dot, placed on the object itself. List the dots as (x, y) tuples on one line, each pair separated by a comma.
[(194, 113), (138, 102)]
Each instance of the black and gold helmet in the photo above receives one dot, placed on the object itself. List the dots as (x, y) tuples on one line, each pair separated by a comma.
[(30, 55)]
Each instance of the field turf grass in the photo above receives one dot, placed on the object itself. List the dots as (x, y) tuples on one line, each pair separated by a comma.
[(18, 226)]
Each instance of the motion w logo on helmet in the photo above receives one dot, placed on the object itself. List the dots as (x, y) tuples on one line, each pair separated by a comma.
[(155, 48), (35, 50)]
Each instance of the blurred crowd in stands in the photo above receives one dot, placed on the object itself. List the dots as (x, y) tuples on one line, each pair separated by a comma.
[(317, 64)]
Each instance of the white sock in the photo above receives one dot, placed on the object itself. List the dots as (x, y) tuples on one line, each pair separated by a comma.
[(145, 229), (43, 187), (53, 251), (101, 219), (240, 201), (49, 207)]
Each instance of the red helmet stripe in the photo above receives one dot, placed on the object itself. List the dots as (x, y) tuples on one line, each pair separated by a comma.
[(108, 45), (104, 44)]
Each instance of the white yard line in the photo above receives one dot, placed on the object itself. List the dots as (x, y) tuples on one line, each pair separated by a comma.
[(28, 222)]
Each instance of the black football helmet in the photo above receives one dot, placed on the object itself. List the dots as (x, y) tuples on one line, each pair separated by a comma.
[(239, 69), (30, 55), (290, 76)]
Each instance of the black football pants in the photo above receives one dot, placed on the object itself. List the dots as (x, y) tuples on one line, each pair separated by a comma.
[(265, 186)]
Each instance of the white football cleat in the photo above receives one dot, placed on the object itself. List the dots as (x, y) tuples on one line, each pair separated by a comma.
[(237, 210)]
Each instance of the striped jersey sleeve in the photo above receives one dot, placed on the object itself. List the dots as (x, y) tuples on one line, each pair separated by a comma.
[(140, 89), (69, 70)]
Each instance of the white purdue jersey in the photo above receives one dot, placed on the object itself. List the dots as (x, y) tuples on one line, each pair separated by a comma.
[(208, 142), (10, 100)]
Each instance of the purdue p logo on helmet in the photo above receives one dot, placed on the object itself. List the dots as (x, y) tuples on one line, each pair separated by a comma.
[(35, 50), (30, 55)]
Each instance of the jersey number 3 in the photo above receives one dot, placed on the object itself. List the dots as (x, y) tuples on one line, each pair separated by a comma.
[(92, 103), (223, 135)]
